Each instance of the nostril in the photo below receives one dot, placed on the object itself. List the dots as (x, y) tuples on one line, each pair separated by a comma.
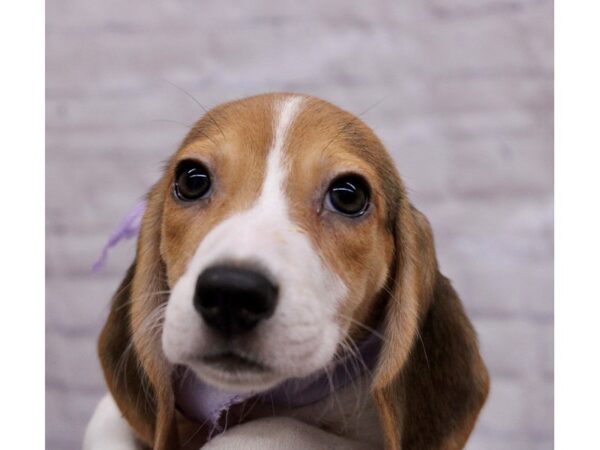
[(256, 307), (233, 299), (206, 301)]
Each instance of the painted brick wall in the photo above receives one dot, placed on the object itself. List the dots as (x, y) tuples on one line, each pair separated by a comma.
[(465, 91)]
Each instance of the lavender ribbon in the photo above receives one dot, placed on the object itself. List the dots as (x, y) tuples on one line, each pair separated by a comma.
[(128, 228), (203, 404)]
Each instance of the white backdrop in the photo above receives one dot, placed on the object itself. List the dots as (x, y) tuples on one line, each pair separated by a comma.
[(466, 110)]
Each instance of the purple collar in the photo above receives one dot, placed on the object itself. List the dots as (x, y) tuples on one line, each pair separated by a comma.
[(205, 404)]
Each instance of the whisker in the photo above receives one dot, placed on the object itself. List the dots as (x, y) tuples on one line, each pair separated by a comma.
[(357, 358), (195, 433), (208, 114), (363, 326), (173, 121), (349, 123), (334, 395), (390, 292), (424, 349), (252, 406)]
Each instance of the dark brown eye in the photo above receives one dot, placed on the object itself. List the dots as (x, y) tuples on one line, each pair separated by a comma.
[(348, 195), (192, 181)]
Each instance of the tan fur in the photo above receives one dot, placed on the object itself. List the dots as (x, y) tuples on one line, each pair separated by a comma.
[(359, 251), (430, 382), (235, 151)]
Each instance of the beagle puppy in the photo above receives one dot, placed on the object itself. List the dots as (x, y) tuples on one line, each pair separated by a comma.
[(279, 239)]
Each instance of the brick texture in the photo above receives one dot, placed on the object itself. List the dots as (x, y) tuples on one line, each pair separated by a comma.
[(463, 94)]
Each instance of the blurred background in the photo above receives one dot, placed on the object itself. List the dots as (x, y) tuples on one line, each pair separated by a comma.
[(463, 95)]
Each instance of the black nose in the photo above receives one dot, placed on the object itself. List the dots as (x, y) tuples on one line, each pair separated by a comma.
[(233, 300)]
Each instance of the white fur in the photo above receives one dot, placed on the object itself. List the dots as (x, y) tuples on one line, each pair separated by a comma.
[(281, 433), (302, 335), (107, 429)]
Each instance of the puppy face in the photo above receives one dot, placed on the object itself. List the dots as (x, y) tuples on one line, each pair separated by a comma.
[(276, 237)]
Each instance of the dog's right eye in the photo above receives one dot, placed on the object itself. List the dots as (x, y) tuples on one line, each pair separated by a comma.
[(348, 195), (192, 181)]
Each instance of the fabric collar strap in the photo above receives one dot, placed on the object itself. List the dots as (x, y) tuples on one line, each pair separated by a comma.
[(205, 404)]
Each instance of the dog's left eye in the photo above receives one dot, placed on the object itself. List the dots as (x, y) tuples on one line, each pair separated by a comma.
[(192, 181), (348, 195)]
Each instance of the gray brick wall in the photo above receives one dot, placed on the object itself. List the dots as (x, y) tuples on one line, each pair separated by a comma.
[(466, 110)]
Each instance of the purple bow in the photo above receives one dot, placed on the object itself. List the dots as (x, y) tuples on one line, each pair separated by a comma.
[(128, 228)]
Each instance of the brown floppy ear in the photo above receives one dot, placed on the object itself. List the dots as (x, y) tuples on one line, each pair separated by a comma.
[(430, 383), (121, 366), (136, 372)]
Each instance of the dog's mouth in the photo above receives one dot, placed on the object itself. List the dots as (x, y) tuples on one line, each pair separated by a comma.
[(233, 363), (232, 371)]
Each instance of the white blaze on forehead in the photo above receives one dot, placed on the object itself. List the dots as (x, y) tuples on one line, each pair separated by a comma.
[(273, 186), (254, 235)]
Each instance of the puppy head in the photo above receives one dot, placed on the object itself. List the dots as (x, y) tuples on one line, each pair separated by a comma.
[(276, 231), (294, 214)]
